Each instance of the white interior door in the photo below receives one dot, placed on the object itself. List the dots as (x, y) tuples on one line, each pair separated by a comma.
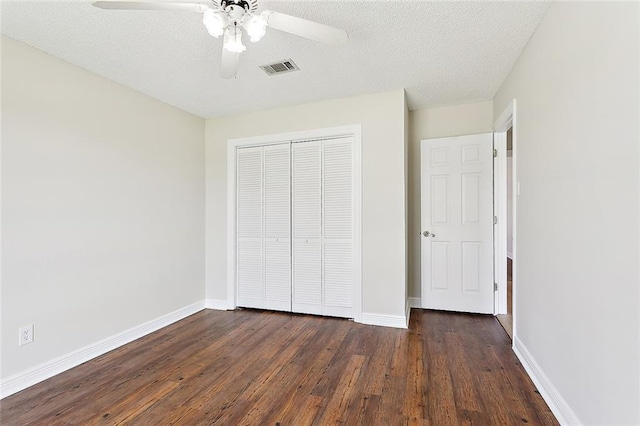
[(294, 214), (250, 263), (323, 227), (263, 227), (457, 223), (306, 176), (337, 228), (277, 227)]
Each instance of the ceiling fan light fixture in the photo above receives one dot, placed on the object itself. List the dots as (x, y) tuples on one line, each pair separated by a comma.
[(228, 18), (233, 40), (256, 26), (215, 22)]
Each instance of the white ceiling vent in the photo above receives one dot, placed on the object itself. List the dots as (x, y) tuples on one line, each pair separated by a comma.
[(280, 67)]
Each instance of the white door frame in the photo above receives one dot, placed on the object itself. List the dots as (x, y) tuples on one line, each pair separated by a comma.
[(327, 133), (500, 227), (506, 120)]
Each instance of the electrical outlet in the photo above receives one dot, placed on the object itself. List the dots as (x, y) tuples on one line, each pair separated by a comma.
[(25, 335)]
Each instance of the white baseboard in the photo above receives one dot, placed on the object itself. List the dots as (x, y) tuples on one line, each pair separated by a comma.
[(564, 414), (396, 321), (41, 372), (415, 302), (219, 305)]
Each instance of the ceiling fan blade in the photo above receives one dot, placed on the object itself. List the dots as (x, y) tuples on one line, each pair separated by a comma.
[(304, 28), (150, 5), (229, 64)]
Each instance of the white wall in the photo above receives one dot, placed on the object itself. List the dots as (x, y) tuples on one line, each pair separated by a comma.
[(383, 211), (432, 123), (576, 87), (103, 207)]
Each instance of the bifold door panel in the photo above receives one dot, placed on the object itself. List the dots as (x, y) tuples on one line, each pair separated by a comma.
[(277, 232), (337, 233), (307, 227), (250, 209), (263, 233)]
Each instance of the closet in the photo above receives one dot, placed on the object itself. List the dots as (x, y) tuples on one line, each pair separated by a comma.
[(295, 227)]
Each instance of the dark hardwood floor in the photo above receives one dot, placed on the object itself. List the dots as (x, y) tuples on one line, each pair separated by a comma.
[(253, 367)]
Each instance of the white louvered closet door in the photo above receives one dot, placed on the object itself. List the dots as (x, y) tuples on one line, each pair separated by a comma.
[(249, 208), (306, 226), (263, 227), (277, 227), (337, 233), (322, 224)]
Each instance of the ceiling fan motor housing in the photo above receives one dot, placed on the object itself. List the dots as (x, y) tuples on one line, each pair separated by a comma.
[(248, 5)]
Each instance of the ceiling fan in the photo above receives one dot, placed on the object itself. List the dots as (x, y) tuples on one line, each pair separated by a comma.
[(228, 18)]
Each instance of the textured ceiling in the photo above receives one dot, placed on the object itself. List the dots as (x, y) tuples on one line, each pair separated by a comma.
[(442, 53)]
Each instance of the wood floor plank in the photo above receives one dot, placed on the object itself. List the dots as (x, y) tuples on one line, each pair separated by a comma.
[(267, 368), (461, 376), (416, 380), (342, 399), (371, 410), (307, 413), (380, 359), (321, 349), (441, 407)]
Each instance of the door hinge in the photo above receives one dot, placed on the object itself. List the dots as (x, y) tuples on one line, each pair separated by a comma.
[(495, 286), (495, 153), (495, 220)]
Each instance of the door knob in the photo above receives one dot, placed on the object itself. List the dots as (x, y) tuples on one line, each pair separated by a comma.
[(428, 234)]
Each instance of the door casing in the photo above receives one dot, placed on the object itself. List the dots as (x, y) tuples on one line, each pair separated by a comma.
[(506, 121)]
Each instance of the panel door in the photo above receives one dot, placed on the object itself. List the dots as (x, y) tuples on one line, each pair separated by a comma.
[(306, 227), (457, 223)]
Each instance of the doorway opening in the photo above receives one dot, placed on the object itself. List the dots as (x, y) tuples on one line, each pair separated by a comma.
[(506, 320)]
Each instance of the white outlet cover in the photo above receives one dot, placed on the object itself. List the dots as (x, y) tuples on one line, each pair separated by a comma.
[(25, 335)]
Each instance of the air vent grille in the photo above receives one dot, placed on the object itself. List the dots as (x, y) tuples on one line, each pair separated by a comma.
[(280, 67)]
